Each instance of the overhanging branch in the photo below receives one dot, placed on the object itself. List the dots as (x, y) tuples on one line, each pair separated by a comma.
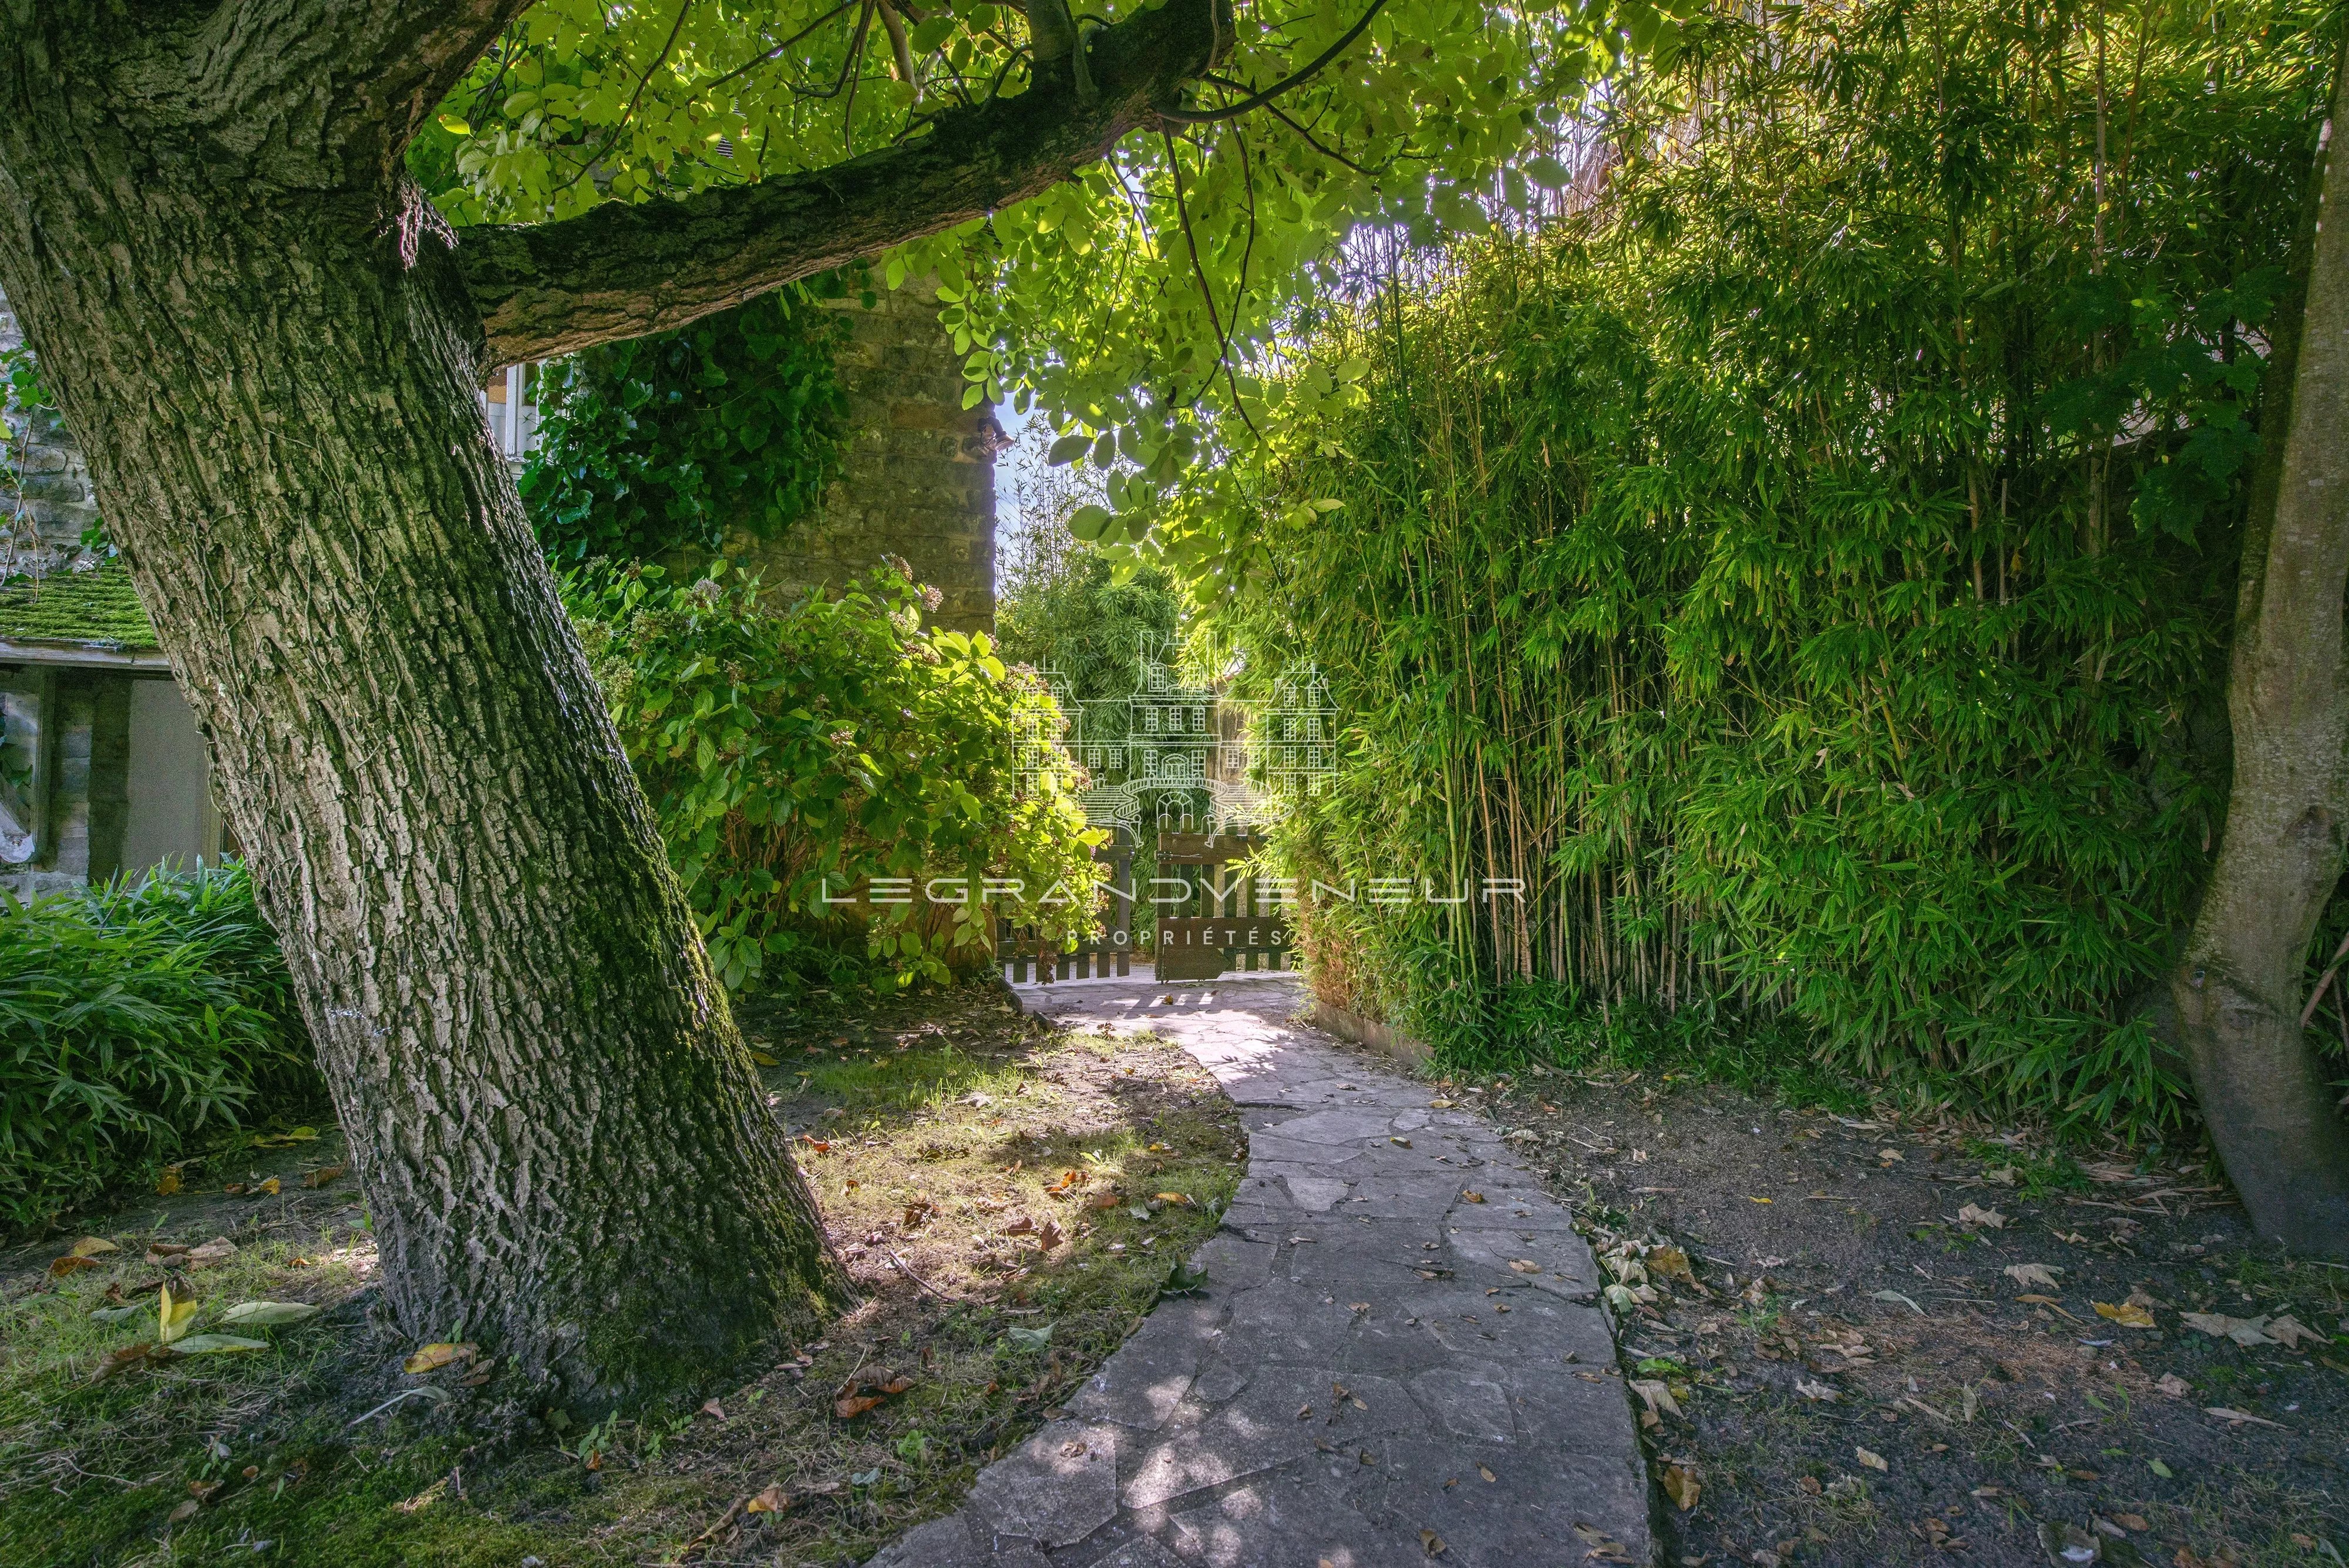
[(397, 62), (623, 271)]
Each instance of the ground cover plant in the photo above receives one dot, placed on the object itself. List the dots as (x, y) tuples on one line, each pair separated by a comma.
[(140, 1024), (1807, 567), (1875, 1332), (1007, 1201)]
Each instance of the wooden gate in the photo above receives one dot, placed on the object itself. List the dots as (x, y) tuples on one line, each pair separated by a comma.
[(1027, 956), (1224, 922)]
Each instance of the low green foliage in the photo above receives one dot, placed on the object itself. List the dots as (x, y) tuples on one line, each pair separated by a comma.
[(1807, 572), (672, 442), (794, 754), (135, 1020)]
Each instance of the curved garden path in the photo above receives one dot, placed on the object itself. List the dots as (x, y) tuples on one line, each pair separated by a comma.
[(1381, 1370)]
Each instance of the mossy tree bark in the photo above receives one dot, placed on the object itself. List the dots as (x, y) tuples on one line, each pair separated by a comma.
[(2239, 986), (270, 349)]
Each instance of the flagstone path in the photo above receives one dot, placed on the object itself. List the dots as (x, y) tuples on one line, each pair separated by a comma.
[(1398, 1357)]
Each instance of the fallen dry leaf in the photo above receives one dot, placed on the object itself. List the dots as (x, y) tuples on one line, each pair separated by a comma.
[(59, 1268), (1973, 1214), (1657, 1397), (268, 1188), (1871, 1458), (2243, 1331), (855, 1405), (171, 1318), (268, 1314), (1681, 1487), (764, 1060), (217, 1345), (219, 1250), (1048, 1235), (2288, 1330), (1604, 1548), (2172, 1385), (168, 1182), (1473, 1196), (90, 1247), (183, 1512), (712, 1408), (2227, 1413), (1431, 1542), (1524, 1266), (1182, 1199), (2129, 1314), (434, 1356), (1067, 1178), (324, 1175), (1819, 1391), (2029, 1275), (1103, 1201), (1488, 1475), (774, 1500), (123, 1360), (1670, 1262)]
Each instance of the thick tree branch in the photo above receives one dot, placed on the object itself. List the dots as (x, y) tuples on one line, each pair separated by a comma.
[(624, 271), (387, 66)]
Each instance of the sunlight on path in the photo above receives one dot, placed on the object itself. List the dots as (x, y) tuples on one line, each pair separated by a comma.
[(1397, 1356)]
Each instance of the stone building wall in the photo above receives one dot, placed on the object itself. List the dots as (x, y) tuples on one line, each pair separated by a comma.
[(920, 474), (45, 510), (918, 479)]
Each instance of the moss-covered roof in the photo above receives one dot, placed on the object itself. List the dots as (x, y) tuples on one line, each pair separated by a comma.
[(98, 606)]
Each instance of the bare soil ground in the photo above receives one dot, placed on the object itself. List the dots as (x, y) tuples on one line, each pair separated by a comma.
[(1881, 1339), (1010, 1200)]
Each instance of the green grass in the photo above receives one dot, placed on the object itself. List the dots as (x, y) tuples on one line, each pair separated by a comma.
[(90, 1473)]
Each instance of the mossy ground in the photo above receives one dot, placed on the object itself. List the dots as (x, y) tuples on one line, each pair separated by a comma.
[(930, 1127)]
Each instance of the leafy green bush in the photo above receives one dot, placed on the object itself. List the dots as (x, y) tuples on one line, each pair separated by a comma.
[(791, 755), (1808, 573), (670, 442), (135, 1020)]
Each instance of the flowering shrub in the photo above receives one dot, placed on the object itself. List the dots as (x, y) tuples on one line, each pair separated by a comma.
[(796, 757)]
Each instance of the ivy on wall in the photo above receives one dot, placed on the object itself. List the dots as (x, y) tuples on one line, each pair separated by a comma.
[(669, 443)]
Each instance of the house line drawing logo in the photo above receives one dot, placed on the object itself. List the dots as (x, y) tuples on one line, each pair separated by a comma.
[(1184, 755)]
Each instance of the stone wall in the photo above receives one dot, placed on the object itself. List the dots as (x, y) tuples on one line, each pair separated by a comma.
[(49, 506), (920, 478)]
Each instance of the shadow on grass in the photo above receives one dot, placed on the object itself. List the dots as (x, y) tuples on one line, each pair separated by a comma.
[(930, 1129)]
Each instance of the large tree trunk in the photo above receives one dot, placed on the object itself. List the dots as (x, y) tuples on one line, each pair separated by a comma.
[(268, 347), (557, 1129), (2239, 988)]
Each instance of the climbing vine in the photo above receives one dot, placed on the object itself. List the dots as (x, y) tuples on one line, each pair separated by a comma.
[(672, 443)]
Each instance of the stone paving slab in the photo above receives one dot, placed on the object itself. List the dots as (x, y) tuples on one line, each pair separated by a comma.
[(1395, 1309)]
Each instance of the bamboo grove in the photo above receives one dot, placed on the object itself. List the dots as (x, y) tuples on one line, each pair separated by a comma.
[(1807, 565)]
